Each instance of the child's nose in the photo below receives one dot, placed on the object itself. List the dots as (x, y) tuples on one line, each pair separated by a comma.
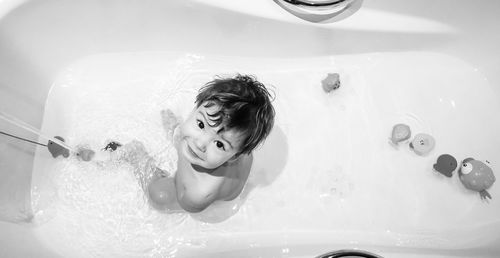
[(202, 142)]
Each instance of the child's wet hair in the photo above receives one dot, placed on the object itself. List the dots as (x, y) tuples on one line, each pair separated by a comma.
[(244, 105)]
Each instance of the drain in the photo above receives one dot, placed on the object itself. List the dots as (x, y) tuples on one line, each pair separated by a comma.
[(349, 254)]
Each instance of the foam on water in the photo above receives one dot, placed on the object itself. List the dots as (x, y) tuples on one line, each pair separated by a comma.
[(326, 166), (103, 208), (99, 207)]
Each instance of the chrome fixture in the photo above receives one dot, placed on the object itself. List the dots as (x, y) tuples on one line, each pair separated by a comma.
[(321, 11), (349, 254)]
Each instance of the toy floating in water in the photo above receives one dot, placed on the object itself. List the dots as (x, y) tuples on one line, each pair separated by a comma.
[(445, 165), (161, 193), (422, 144), (112, 146), (331, 82), (85, 154), (56, 149), (400, 132), (476, 176)]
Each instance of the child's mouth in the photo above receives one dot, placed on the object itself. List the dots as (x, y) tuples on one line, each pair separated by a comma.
[(192, 152)]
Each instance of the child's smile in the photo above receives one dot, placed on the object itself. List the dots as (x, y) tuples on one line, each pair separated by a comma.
[(193, 153)]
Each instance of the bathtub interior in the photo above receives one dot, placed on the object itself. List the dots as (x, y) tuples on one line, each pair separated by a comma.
[(330, 178), (457, 32)]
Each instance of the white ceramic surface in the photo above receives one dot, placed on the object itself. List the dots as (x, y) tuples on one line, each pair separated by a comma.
[(436, 63)]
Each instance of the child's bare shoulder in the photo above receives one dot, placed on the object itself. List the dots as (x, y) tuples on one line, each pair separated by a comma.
[(236, 178)]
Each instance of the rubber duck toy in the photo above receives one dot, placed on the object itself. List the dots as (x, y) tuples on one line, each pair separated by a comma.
[(422, 144), (400, 132), (476, 176), (445, 165)]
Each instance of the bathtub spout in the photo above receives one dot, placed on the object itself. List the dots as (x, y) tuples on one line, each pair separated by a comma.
[(321, 11)]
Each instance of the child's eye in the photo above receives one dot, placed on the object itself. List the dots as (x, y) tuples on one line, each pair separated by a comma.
[(219, 145), (200, 124)]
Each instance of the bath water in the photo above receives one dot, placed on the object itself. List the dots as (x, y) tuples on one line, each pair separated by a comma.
[(326, 167)]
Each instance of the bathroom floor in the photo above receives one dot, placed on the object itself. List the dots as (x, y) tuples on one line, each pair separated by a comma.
[(326, 167)]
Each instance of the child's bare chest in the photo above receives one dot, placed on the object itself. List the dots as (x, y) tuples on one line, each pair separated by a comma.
[(202, 181), (218, 183)]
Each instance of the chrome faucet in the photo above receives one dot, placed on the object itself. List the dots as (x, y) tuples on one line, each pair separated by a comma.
[(321, 11)]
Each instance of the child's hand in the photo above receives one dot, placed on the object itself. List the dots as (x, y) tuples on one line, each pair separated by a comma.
[(169, 120)]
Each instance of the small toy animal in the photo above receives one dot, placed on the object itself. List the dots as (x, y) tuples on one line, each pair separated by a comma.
[(112, 146), (422, 144), (445, 165), (331, 82), (476, 176), (400, 132), (85, 154), (56, 149)]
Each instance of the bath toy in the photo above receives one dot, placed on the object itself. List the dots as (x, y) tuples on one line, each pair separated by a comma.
[(445, 165), (161, 193), (331, 82), (112, 146), (56, 149), (400, 132), (422, 144), (85, 154), (476, 176)]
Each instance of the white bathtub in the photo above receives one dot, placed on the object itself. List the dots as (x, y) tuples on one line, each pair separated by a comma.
[(38, 39)]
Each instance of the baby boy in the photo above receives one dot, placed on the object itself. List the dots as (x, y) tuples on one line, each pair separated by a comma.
[(231, 117)]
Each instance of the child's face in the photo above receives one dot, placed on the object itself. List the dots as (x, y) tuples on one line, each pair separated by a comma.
[(204, 145)]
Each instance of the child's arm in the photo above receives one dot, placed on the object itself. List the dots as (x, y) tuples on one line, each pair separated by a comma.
[(154, 181), (144, 165)]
